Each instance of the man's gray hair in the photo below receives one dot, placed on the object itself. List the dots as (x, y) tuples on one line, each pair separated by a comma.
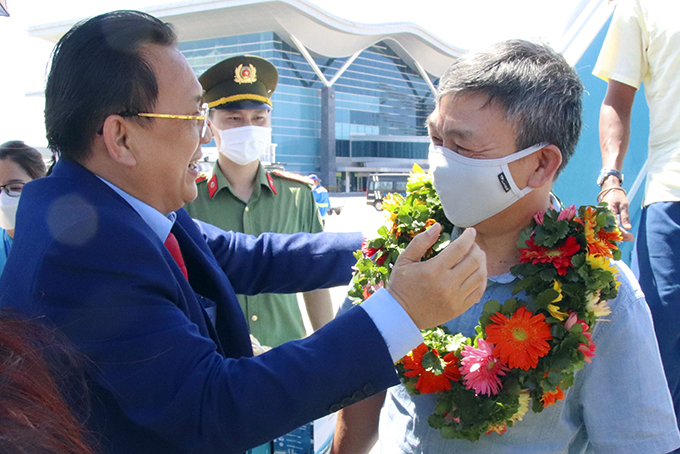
[(539, 91)]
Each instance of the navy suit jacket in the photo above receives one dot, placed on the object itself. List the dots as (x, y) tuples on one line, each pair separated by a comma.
[(163, 378)]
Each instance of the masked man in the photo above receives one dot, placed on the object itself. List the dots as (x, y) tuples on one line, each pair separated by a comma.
[(241, 196), (506, 121)]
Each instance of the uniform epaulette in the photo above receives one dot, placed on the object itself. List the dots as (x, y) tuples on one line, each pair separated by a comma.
[(202, 177), (292, 176)]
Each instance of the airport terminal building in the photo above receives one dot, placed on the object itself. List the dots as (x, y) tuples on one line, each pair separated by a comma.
[(351, 100)]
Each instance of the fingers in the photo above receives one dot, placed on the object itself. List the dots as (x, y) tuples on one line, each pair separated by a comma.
[(420, 244), (625, 216), (618, 204), (474, 286), (455, 251)]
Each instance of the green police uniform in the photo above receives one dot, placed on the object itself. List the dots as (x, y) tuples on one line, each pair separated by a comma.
[(282, 203)]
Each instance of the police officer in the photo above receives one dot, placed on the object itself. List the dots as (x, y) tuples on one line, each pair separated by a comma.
[(240, 195), (323, 201)]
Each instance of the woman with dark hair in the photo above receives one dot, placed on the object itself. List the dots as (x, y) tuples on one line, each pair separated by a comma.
[(19, 164), (41, 378)]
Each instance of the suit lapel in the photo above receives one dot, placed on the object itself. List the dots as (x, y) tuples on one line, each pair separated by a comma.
[(208, 279)]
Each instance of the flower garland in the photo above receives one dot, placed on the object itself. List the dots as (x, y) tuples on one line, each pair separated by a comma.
[(525, 351)]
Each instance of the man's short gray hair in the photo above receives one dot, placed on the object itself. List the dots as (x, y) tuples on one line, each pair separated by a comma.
[(539, 91)]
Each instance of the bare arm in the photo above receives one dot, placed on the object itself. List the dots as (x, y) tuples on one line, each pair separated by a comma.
[(319, 307), (356, 431), (614, 138)]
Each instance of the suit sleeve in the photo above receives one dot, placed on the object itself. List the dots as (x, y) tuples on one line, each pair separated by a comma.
[(279, 263), (125, 309)]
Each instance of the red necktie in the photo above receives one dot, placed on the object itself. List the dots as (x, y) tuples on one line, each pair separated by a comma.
[(173, 246)]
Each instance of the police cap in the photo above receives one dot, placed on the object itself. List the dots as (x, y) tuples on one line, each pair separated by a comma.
[(241, 82)]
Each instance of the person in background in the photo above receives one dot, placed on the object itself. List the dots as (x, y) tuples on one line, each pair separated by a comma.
[(240, 195), (42, 389), (643, 46), (19, 164), (323, 201)]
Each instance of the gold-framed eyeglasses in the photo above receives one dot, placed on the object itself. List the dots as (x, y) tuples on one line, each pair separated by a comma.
[(12, 189), (205, 110)]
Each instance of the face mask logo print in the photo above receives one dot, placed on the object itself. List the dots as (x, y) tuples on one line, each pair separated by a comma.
[(504, 182)]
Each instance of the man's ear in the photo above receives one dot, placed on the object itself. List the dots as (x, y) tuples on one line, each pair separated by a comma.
[(549, 160), (117, 139)]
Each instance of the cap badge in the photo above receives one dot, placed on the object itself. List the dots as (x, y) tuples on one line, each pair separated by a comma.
[(245, 74)]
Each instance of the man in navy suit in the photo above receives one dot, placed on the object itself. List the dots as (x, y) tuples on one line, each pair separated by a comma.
[(105, 252)]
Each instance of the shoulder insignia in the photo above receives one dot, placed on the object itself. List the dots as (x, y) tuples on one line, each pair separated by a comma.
[(212, 186), (271, 184), (293, 176), (201, 178)]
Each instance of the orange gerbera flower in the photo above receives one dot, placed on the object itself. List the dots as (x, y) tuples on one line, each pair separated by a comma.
[(600, 242), (549, 398), (500, 429), (603, 243), (560, 257), (521, 339), (434, 373)]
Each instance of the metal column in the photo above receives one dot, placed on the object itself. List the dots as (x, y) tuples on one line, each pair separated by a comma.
[(328, 138)]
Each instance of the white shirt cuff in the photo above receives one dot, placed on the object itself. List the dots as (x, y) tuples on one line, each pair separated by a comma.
[(396, 327)]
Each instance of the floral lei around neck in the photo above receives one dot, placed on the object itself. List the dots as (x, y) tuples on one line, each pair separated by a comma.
[(525, 351)]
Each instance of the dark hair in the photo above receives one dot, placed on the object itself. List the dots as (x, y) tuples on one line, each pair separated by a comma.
[(97, 70), (28, 158), (539, 91), (40, 378)]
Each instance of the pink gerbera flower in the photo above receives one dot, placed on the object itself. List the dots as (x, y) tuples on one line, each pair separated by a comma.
[(567, 214), (588, 349), (481, 370)]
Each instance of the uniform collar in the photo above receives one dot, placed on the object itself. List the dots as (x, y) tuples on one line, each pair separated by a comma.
[(218, 181)]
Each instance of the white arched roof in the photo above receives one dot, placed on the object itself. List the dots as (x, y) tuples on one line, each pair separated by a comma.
[(320, 32)]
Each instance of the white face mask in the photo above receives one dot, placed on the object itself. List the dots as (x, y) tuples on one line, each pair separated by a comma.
[(245, 144), (8, 211), (473, 190)]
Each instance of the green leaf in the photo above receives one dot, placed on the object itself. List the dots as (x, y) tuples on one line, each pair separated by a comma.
[(382, 231), (546, 297)]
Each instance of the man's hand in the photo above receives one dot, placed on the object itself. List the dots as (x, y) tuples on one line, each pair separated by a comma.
[(618, 204), (437, 290)]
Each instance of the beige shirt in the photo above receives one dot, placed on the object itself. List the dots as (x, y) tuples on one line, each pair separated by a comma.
[(643, 45)]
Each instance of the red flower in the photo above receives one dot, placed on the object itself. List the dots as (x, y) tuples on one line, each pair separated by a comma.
[(370, 252), (521, 339), (560, 257), (434, 375)]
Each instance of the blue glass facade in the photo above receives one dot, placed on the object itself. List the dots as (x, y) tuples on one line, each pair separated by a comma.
[(378, 94)]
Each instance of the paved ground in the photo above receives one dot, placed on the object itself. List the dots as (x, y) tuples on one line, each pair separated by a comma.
[(356, 216)]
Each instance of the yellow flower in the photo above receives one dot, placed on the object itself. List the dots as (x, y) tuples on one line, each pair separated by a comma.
[(554, 309), (604, 263), (392, 201), (597, 306), (523, 406), (418, 175)]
